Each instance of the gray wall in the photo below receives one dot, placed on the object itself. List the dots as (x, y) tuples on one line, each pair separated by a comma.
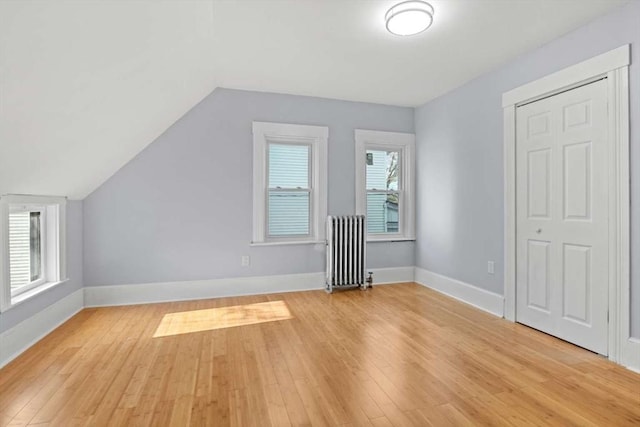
[(459, 150), (34, 305), (182, 209)]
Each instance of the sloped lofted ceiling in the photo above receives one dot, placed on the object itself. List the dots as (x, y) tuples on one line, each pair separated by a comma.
[(86, 85)]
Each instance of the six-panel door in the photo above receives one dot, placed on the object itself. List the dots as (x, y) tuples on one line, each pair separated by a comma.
[(562, 237)]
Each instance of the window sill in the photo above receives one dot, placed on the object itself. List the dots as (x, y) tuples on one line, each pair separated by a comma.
[(287, 243), (390, 239), (20, 298)]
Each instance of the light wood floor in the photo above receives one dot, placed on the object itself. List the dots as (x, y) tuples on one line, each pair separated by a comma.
[(398, 355)]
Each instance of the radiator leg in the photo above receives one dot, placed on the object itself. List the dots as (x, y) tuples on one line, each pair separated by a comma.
[(369, 282)]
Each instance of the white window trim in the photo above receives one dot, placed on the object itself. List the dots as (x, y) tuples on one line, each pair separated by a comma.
[(55, 241), (406, 144), (316, 137)]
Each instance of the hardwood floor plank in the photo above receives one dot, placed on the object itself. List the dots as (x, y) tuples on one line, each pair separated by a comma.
[(277, 410), (381, 422), (312, 403), (444, 415)]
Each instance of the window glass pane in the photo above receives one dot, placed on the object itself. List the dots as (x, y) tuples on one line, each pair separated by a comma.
[(288, 166), (35, 246), (382, 213), (382, 170), (288, 213)]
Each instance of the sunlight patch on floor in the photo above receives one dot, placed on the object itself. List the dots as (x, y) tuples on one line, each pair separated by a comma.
[(210, 319)]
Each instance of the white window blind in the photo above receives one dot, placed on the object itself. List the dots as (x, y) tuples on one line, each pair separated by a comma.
[(25, 248), (289, 189), (19, 249)]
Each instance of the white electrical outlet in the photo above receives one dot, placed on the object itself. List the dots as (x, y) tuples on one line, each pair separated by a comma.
[(490, 267), (245, 260)]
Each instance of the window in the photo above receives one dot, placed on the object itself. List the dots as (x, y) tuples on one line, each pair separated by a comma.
[(385, 189), (32, 246), (289, 183)]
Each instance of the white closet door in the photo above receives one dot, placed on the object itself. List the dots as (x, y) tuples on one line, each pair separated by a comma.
[(562, 237)]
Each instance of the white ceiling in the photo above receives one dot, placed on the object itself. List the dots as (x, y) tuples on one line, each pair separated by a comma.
[(341, 49), (85, 86)]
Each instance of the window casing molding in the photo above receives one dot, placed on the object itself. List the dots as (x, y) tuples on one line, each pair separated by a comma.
[(53, 245), (316, 137), (404, 143)]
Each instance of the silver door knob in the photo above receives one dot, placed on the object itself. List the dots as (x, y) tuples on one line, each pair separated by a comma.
[(539, 230)]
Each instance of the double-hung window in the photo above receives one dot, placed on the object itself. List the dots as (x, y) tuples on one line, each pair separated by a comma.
[(32, 250), (385, 188), (289, 185)]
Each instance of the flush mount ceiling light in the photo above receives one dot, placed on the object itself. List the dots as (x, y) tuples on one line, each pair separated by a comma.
[(409, 18)]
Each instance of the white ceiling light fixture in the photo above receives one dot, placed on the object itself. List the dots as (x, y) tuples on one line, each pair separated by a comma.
[(409, 18)]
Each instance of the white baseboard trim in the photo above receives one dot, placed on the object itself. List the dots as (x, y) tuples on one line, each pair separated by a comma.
[(631, 354), (386, 276), (470, 294), (100, 296), (19, 338)]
